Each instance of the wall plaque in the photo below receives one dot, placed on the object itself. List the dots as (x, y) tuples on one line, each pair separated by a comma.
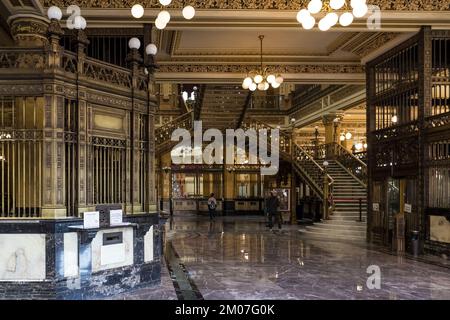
[(375, 206), (408, 208), (115, 217)]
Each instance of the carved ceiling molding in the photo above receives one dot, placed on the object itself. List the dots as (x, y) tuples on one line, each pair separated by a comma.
[(340, 41), (377, 42), (396, 5), (180, 68)]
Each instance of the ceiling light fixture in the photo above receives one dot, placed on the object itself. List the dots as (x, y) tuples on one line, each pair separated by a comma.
[(261, 78), (163, 18), (353, 9)]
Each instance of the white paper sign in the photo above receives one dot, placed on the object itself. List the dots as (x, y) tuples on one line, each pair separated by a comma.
[(375, 206), (115, 217), (408, 208), (91, 220)]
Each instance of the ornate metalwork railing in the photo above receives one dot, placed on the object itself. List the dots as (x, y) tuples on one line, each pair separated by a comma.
[(23, 58), (302, 161), (102, 71), (163, 134), (347, 159)]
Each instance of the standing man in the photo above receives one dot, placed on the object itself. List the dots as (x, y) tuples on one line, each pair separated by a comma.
[(272, 205), (212, 204)]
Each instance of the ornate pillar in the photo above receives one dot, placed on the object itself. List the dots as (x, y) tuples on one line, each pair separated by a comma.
[(53, 186), (29, 30), (135, 60), (82, 139)]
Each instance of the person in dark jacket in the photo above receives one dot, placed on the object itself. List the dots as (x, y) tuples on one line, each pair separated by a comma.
[(272, 204)]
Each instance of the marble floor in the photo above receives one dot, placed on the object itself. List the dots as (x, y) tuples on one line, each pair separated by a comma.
[(239, 258)]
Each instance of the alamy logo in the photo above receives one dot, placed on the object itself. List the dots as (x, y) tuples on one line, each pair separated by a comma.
[(241, 147)]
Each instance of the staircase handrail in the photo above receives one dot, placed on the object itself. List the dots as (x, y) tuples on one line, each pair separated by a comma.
[(184, 121), (353, 164)]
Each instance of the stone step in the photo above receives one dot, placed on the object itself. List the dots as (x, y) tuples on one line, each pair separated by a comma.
[(344, 222), (354, 218), (323, 228), (349, 227), (332, 236)]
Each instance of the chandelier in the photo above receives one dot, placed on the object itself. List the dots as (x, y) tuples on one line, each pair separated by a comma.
[(261, 78), (356, 9), (163, 17)]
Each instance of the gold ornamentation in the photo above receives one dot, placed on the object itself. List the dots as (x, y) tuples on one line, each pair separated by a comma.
[(170, 68), (397, 5)]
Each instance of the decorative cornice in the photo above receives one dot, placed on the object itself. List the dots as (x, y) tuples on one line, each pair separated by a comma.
[(318, 68), (377, 42), (402, 5)]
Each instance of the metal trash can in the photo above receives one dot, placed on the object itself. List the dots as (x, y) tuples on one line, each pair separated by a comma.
[(415, 243)]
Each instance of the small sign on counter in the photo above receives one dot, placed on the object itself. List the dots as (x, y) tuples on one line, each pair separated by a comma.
[(408, 208), (91, 220), (115, 217)]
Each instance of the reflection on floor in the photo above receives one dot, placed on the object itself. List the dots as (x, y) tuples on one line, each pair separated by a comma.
[(239, 258)]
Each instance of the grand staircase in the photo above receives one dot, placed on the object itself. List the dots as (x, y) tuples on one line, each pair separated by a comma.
[(349, 197)]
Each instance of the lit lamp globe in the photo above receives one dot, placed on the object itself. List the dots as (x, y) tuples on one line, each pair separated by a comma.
[(271, 78), (357, 3), (165, 2), (360, 11), (134, 43), (346, 19), (245, 86), (315, 6), (252, 87), (324, 25), (164, 16), (309, 23), (302, 15), (151, 49), (332, 18), (266, 86), (279, 79), (248, 81), (261, 86), (258, 79), (54, 13), (348, 136), (188, 12), (342, 138), (276, 85), (337, 4), (83, 23), (137, 11), (78, 22), (160, 24)]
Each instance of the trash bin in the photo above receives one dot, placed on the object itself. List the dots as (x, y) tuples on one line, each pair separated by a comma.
[(415, 243)]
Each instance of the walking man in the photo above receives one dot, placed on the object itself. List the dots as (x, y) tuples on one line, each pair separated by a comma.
[(212, 204), (272, 204)]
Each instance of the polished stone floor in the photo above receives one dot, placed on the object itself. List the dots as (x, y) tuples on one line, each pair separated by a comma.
[(239, 258)]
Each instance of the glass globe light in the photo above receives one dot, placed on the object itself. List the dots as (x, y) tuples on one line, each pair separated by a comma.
[(78, 22), (160, 24), (151, 49), (164, 16), (258, 79), (134, 43), (302, 15), (245, 85), (337, 4), (137, 11), (359, 146), (261, 86), (165, 2), (248, 81), (332, 18), (342, 137), (252, 87), (365, 145), (346, 19), (54, 13), (360, 11), (188, 12), (266, 86), (314, 6), (309, 23), (279, 79), (348, 135), (271, 78), (324, 25), (394, 119), (276, 85), (184, 95), (83, 23)]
